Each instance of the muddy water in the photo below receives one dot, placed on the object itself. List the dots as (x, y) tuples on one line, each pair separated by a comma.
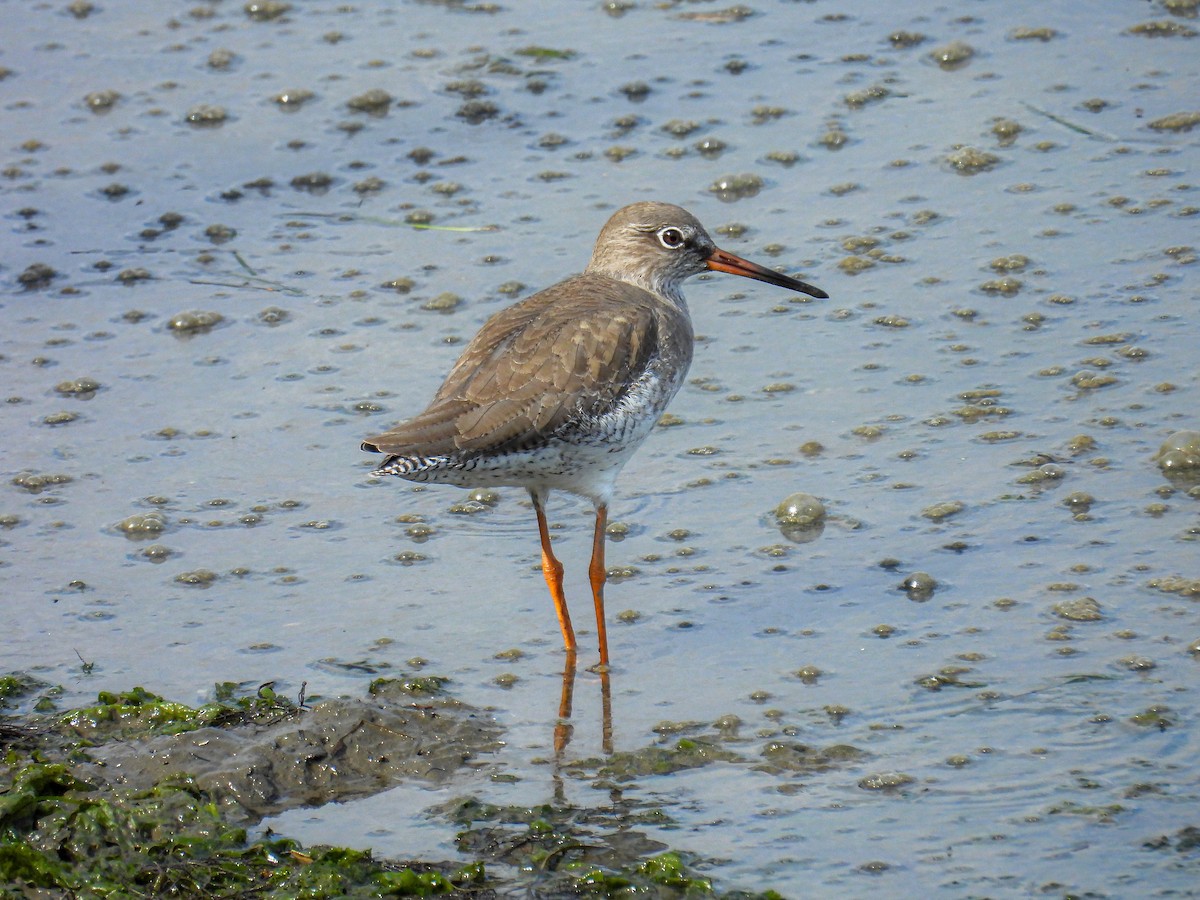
[(213, 288)]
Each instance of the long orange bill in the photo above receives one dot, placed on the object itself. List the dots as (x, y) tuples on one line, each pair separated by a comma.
[(720, 261)]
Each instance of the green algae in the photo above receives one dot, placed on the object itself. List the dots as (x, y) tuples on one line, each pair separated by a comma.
[(14, 687), (58, 832), (578, 850), (66, 829), (414, 685), (138, 712), (687, 753), (537, 52)]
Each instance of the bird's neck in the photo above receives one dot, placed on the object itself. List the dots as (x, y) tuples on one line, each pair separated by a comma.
[(668, 289)]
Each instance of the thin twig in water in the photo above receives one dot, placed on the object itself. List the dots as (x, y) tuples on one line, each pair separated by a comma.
[(270, 286), (395, 223), (245, 265), (1066, 123)]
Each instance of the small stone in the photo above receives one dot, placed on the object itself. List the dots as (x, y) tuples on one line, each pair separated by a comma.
[(919, 586), (198, 578), (194, 322), (886, 781), (206, 116), (952, 56), (266, 10), (1182, 121), (292, 99), (939, 511), (969, 161), (1180, 453), (101, 101), (799, 510), (37, 275), (374, 102), (809, 674), (1085, 609)]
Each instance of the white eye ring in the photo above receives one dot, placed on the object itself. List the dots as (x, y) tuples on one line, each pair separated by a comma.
[(671, 237)]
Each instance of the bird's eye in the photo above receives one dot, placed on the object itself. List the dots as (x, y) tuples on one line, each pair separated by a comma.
[(671, 238)]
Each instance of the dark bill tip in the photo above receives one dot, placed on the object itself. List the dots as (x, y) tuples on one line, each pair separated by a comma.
[(720, 261)]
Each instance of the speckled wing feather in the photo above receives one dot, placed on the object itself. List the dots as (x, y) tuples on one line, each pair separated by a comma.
[(534, 367)]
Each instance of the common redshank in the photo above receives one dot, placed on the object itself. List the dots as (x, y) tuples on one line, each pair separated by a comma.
[(557, 391)]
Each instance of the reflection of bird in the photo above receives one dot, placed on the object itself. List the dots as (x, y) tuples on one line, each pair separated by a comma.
[(559, 390)]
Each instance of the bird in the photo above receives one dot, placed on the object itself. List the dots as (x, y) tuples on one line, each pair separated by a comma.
[(557, 391)]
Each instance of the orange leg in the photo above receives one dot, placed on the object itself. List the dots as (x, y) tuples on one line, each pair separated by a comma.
[(563, 729), (553, 570), (598, 574), (606, 734)]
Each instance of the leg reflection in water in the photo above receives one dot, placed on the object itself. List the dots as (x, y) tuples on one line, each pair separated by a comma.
[(563, 729)]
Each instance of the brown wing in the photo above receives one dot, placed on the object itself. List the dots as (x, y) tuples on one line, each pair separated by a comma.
[(568, 351)]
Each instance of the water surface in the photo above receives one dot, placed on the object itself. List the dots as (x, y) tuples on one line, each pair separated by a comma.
[(1001, 338)]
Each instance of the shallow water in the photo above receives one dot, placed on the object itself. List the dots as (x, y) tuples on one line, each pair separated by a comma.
[(1032, 764)]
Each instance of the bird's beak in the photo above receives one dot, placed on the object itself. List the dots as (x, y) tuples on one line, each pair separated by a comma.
[(720, 261)]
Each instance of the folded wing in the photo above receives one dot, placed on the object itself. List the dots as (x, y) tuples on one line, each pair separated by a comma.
[(534, 368)]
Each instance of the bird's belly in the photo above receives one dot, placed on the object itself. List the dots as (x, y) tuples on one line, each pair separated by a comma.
[(583, 457)]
